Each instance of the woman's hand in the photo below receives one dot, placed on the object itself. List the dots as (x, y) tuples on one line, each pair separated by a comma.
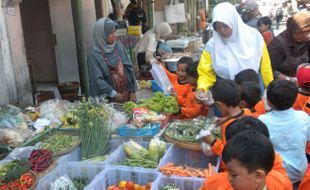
[(133, 97)]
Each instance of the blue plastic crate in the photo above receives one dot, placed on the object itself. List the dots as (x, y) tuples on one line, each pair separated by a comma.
[(183, 183), (156, 87), (125, 131)]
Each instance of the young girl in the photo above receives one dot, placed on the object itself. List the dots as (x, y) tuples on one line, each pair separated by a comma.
[(264, 26)]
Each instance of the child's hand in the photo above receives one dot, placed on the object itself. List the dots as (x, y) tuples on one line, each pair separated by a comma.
[(206, 136), (173, 92)]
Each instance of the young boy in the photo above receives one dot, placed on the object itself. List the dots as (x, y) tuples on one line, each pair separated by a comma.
[(249, 157), (192, 108), (249, 75), (303, 80), (179, 81), (250, 97), (226, 94), (264, 26), (288, 128)]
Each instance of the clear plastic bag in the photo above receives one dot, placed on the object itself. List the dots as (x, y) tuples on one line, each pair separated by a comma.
[(12, 117), (63, 183), (161, 78)]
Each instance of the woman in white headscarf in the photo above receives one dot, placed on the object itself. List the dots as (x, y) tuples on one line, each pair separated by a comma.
[(109, 68), (146, 47), (234, 47)]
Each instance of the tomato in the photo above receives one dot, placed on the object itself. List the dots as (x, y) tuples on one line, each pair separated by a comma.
[(148, 185), (142, 188), (122, 184), (130, 185), (136, 187), (116, 188)]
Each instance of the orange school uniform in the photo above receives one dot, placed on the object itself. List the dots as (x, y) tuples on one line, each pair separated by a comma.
[(181, 89), (277, 178), (305, 182), (301, 101), (192, 108), (259, 109)]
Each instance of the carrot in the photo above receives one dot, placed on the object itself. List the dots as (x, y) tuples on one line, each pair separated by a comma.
[(201, 174), (206, 172), (169, 164)]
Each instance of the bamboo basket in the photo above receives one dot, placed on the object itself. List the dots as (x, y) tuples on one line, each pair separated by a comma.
[(183, 144), (47, 170)]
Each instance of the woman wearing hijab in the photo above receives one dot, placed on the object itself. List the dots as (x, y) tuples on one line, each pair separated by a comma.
[(234, 47), (292, 47), (146, 47), (109, 67)]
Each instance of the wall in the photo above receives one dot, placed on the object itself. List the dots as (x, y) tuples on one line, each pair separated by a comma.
[(16, 71), (65, 50), (89, 20)]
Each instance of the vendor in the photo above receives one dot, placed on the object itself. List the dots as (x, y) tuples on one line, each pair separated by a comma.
[(109, 68), (146, 47), (234, 47), (292, 47)]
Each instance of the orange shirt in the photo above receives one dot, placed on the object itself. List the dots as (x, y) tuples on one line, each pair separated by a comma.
[(259, 109), (301, 101), (192, 108), (267, 35), (305, 182), (181, 89), (306, 107), (218, 146), (276, 179)]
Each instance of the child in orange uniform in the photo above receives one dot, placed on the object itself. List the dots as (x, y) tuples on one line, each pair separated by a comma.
[(250, 159), (250, 97), (192, 108), (226, 95), (179, 81), (305, 183), (303, 80)]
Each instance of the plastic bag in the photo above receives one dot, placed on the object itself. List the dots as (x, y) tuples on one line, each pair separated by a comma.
[(63, 183), (54, 110), (19, 153), (12, 117), (14, 137), (161, 78)]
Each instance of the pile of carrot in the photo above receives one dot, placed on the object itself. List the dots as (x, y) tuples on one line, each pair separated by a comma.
[(186, 171)]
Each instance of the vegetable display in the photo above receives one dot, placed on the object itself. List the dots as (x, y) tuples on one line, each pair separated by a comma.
[(80, 182), (186, 171), (187, 130), (170, 187), (40, 160), (14, 169), (59, 142), (158, 103), (93, 118), (138, 156), (25, 182), (129, 185)]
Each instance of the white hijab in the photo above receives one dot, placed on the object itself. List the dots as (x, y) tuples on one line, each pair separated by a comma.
[(242, 50)]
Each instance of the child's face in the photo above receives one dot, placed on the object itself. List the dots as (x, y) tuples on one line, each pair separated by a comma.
[(241, 179), (181, 72), (192, 80), (262, 27), (222, 108)]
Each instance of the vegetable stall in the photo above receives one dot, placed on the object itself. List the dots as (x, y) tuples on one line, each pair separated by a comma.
[(94, 144)]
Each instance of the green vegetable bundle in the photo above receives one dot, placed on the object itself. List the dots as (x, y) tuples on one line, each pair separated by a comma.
[(14, 169), (158, 103), (95, 128), (59, 142)]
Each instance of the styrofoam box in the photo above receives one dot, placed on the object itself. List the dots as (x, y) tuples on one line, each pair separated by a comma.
[(183, 183), (120, 155), (71, 170), (191, 158), (113, 175), (74, 156)]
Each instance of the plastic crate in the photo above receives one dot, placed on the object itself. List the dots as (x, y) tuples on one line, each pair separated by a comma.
[(71, 170), (120, 156), (112, 176), (183, 183), (74, 156), (156, 87), (125, 131), (123, 139), (191, 158)]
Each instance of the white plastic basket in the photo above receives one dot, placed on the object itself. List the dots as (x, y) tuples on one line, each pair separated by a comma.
[(191, 158), (183, 183), (112, 176), (120, 155), (74, 156), (71, 170)]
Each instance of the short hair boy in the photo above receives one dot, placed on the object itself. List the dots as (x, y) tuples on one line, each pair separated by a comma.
[(288, 128), (246, 75)]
